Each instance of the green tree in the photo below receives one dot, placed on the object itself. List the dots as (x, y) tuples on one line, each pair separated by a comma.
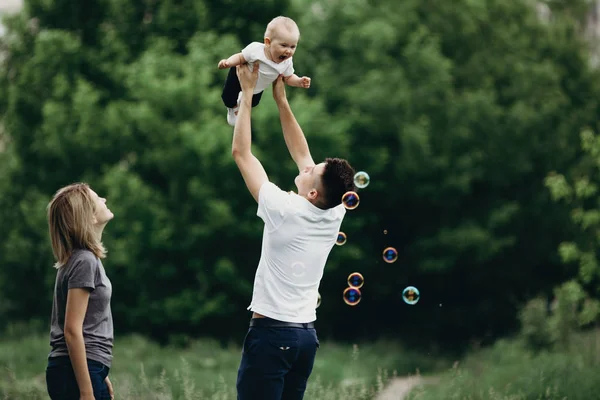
[(457, 111), (149, 133), (579, 190)]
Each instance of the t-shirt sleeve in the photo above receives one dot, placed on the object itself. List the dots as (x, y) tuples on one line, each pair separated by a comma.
[(252, 51), (272, 203), (289, 70), (83, 273)]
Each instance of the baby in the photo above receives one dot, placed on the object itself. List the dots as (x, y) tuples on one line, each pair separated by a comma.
[(275, 54)]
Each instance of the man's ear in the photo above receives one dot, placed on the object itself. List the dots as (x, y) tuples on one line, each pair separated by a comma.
[(267, 41), (313, 194)]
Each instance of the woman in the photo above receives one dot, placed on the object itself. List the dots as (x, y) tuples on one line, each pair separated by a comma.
[(81, 332)]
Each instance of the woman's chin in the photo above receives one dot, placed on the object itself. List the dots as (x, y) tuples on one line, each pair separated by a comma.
[(109, 215)]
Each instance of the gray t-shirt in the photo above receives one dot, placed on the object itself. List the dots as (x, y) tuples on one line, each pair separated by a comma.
[(84, 270)]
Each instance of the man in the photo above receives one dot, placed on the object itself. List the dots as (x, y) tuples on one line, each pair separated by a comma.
[(300, 230)]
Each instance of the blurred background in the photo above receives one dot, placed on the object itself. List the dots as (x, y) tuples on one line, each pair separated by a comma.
[(476, 120)]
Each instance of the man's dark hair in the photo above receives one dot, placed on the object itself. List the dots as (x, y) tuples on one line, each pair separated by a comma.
[(337, 179)]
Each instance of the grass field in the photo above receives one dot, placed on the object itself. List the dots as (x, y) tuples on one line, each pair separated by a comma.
[(206, 370), (509, 371)]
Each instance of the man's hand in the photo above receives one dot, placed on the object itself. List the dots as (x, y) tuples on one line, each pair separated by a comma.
[(279, 89), (246, 77), (305, 82), (223, 64)]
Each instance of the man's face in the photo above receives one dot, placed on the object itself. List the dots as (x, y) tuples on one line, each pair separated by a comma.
[(308, 180)]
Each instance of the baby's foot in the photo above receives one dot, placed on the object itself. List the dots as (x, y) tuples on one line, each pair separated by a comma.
[(233, 112)]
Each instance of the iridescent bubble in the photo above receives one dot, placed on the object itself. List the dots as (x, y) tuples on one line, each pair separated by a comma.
[(318, 300), (390, 255), (350, 200), (352, 296), (361, 179), (411, 295), (298, 269), (341, 239), (356, 280)]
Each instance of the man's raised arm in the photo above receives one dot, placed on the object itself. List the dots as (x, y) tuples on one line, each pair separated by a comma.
[(292, 133), (252, 170)]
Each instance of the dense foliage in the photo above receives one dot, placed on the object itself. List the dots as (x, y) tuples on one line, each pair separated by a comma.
[(457, 110)]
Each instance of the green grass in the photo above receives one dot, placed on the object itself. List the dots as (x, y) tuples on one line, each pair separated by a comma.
[(206, 370), (509, 371)]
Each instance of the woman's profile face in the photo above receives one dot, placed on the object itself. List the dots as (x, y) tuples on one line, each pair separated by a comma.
[(102, 214)]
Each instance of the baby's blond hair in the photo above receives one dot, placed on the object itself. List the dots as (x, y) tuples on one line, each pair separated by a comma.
[(276, 22)]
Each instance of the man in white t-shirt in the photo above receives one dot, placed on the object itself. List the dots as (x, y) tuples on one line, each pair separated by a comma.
[(300, 230), (275, 59)]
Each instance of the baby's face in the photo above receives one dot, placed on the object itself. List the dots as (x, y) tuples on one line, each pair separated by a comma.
[(283, 44)]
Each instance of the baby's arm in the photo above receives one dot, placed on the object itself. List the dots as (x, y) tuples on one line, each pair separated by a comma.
[(236, 59), (295, 80)]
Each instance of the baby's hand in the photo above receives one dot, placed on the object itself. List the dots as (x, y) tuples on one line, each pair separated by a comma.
[(223, 64), (305, 82)]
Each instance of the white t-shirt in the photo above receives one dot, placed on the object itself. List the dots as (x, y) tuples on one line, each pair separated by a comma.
[(297, 239), (268, 70)]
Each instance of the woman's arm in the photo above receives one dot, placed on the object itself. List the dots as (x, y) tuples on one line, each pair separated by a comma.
[(77, 302)]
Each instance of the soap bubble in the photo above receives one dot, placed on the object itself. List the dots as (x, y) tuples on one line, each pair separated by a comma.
[(350, 200), (390, 255), (298, 269), (411, 295), (352, 296), (356, 280), (361, 179), (341, 239)]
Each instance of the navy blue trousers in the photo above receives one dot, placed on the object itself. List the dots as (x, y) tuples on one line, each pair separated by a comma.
[(62, 384), (276, 363)]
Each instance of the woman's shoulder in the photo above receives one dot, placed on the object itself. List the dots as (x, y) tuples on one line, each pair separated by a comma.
[(83, 256)]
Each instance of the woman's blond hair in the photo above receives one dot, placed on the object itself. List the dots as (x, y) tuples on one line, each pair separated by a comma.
[(70, 223)]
